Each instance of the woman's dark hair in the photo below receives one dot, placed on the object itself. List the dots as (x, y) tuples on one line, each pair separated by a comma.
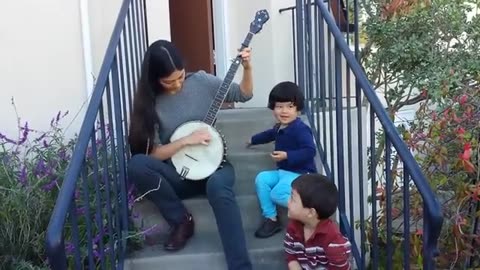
[(286, 92), (160, 60)]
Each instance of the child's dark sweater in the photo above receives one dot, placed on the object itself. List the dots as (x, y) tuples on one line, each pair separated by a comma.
[(297, 140)]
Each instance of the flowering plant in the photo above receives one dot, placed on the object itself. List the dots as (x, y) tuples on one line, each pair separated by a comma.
[(423, 55), (32, 168)]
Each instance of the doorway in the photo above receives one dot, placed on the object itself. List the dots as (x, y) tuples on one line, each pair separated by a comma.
[(192, 32), (191, 28)]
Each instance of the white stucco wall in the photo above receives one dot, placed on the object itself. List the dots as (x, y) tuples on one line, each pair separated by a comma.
[(42, 53), (40, 61), (271, 48), (41, 56)]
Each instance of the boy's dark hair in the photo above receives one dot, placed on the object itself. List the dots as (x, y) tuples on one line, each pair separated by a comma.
[(318, 192), (286, 92)]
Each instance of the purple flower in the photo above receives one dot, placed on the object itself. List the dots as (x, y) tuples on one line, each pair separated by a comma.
[(62, 154), (58, 116), (131, 196), (77, 194), (51, 185), (56, 119), (80, 210), (96, 254), (25, 132), (40, 168), (45, 144), (69, 248), (6, 159), (22, 176), (41, 137), (3, 137)]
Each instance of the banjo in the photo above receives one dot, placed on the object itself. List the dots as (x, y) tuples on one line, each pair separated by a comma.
[(198, 162)]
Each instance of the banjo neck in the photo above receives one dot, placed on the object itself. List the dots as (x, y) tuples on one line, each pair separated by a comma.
[(224, 87)]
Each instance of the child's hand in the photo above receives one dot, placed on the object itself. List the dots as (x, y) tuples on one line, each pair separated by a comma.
[(294, 265), (279, 155)]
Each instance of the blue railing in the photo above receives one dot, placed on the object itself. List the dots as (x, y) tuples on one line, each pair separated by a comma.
[(88, 228), (359, 145)]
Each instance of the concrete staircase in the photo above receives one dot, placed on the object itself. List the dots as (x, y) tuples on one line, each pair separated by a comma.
[(204, 251)]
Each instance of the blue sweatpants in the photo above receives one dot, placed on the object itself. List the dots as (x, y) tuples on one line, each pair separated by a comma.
[(274, 187)]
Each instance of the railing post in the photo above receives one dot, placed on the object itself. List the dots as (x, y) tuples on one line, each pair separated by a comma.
[(121, 152), (339, 132), (57, 251), (300, 10)]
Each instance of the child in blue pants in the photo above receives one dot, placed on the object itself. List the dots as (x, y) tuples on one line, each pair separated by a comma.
[(294, 154)]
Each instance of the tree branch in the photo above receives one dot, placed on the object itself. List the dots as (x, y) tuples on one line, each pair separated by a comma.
[(415, 100)]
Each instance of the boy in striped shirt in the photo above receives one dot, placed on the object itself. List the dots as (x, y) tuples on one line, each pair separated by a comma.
[(313, 241)]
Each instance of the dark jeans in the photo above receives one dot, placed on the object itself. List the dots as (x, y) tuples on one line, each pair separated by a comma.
[(145, 172)]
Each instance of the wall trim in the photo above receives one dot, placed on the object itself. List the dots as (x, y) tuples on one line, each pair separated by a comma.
[(220, 32), (87, 47)]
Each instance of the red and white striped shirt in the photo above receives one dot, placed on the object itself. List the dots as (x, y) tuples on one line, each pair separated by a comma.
[(327, 248)]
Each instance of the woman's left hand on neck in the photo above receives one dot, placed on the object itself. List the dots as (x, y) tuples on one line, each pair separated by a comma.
[(246, 85)]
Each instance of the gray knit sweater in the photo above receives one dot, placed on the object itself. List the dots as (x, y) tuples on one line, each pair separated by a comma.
[(191, 102)]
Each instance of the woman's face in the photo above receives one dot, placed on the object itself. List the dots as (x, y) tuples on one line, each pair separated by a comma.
[(173, 83)]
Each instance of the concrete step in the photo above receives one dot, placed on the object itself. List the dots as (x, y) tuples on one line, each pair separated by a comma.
[(147, 215), (238, 126), (247, 165), (205, 252), (243, 114)]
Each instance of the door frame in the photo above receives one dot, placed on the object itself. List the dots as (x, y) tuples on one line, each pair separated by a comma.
[(220, 33)]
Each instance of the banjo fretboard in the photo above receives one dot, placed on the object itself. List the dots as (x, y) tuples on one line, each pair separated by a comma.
[(227, 81)]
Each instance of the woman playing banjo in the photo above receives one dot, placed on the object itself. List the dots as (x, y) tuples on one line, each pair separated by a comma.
[(165, 98)]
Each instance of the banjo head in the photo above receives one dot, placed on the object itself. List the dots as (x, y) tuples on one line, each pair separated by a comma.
[(198, 162)]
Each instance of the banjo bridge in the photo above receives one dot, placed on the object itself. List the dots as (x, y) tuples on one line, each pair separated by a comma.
[(187, 155)]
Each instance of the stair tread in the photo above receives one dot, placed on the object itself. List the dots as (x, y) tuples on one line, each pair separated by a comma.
[(149, 216), (244, 114), (208, 243)]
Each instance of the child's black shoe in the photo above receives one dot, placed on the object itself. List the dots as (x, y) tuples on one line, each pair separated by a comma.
[(268, 228)]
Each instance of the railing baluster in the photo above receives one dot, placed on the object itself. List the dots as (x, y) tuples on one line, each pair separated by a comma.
[(132, 57), (141, 29), (136, 45), (388, 190), (86, 215), (300, 43), (113, 173), (128, 88), (406, 220), (323, 83), (75, 245), (98, 200), (330, 74), (123, 92), (373, 178), (107, 181), (145, 24), (356, 33), (294, 38), (318, 89), (339, 129), (121, 157), (361, 179), (309, 55)]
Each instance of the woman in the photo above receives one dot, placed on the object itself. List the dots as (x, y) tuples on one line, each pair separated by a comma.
[(167, 97)]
